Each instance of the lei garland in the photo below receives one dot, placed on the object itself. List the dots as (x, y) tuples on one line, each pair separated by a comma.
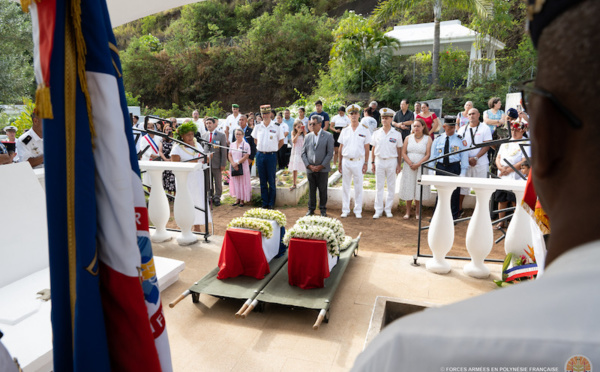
[(256, 224), (314, 233), (267, 214)]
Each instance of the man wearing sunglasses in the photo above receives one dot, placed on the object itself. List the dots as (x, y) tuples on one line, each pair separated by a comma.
[(557, 327)]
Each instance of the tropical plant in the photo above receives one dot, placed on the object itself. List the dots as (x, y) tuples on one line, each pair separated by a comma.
[(391, 9)]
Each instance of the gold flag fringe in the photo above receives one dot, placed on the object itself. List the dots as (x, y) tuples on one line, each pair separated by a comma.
[(43, 105), (81, 52)]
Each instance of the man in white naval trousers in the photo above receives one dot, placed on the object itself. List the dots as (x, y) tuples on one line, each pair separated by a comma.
[(354, 148), (386, 164)]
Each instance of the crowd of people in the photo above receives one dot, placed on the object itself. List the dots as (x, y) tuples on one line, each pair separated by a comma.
[(392, 141)]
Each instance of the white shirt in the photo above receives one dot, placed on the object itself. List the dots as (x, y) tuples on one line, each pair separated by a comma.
[(511, 152), (354, 141), (33, 148), (232, 122), (369, 122), (305, 122), (481, 133), (540, 323), (284, 129), (267, 137), (386, 145), (340, 121), (200, 125)]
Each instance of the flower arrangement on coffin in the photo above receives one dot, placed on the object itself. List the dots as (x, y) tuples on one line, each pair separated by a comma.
[(346, 243), (524, 267), (267, 214), (330, 223), (314, 233), (256, 224)]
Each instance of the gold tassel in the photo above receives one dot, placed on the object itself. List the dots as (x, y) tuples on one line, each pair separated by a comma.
[(25, 5), (43, 106)]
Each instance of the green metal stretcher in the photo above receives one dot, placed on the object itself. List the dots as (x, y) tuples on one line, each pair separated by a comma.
[(273, 288)]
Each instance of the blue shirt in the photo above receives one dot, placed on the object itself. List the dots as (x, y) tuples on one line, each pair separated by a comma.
[(456, 144), (290, 124), (323, 114)]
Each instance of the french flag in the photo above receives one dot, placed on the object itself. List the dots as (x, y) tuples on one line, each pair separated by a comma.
[(106, 308)]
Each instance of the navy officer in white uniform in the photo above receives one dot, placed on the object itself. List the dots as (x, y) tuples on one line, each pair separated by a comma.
[(354, 148), (30, 146), (268, 138), (386, 164)]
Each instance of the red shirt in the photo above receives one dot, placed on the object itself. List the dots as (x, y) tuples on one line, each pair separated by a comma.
[(429, 121)]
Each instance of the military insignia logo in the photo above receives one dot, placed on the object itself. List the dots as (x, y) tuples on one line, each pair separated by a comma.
[(578, 363)]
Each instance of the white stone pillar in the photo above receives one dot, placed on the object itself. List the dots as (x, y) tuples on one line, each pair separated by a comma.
[(480, 235), (518, 234), (441, 231), (183, 209), (158, 206)]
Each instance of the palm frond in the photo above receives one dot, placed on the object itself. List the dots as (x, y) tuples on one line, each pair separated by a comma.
[(388, 10), (483, 8)]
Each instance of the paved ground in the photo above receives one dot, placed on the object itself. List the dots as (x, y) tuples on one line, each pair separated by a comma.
[(207, 336)]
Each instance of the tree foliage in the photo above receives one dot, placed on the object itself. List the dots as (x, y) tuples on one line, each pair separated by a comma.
[(16, 59)]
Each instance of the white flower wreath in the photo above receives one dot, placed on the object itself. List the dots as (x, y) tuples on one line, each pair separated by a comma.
[(314, 233), (267, 214), (257, 224), (331, 223), (346, 243)]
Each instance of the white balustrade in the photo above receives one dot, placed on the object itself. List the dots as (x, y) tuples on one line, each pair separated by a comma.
[(480, 237), (518, 234), (158, 205)]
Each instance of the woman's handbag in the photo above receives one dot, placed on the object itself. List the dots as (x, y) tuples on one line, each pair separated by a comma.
[(238, 172)]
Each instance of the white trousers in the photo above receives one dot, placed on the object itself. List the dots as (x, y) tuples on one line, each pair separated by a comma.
[(385, 171), (352, 171)]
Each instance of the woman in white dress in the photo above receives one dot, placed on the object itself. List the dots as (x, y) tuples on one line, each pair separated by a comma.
[(296, 164), (416, 150), (195, 179)]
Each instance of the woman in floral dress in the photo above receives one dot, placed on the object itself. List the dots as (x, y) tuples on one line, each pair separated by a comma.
[(165, 154), (296, 164)]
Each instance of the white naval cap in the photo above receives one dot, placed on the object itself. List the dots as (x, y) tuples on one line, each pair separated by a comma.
[(352, 108), (387, 112)]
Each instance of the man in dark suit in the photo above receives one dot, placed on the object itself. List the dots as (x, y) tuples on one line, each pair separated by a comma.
[(316, 155), (218, 159)]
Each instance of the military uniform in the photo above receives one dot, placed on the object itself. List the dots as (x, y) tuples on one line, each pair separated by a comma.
[(267, 138), (456, 163), (353, 143), (386, 159), (30, 145)]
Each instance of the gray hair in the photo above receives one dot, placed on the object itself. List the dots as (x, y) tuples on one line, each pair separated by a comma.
[(318, 118)]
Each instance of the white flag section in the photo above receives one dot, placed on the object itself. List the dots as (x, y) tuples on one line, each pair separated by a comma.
[(124, 240)]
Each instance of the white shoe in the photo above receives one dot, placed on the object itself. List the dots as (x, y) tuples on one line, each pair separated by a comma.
[(344, 215), (376, 216), (358, 215), (389, 214)]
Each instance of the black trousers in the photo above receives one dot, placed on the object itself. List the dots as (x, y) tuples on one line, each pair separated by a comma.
[(317, 180), (283, 157), (455, 199)]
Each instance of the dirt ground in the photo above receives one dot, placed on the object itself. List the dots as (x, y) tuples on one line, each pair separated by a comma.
[(389, 235)]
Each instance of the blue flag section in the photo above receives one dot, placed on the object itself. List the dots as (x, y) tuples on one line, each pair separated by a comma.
[(106, 309)]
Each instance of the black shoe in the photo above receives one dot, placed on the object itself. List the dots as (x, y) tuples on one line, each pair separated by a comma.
[(323, 213), (310, 213), (216, 203)]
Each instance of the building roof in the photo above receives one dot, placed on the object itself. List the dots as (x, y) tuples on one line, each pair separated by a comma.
[(419, 38)]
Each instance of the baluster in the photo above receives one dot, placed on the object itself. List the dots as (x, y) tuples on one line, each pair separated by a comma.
[(158, 207), (441, 231), (183, 209), (480, 235), (518, 234)]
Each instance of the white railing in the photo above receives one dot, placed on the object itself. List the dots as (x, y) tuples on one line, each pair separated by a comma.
[(158, 205), (480, 234)]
